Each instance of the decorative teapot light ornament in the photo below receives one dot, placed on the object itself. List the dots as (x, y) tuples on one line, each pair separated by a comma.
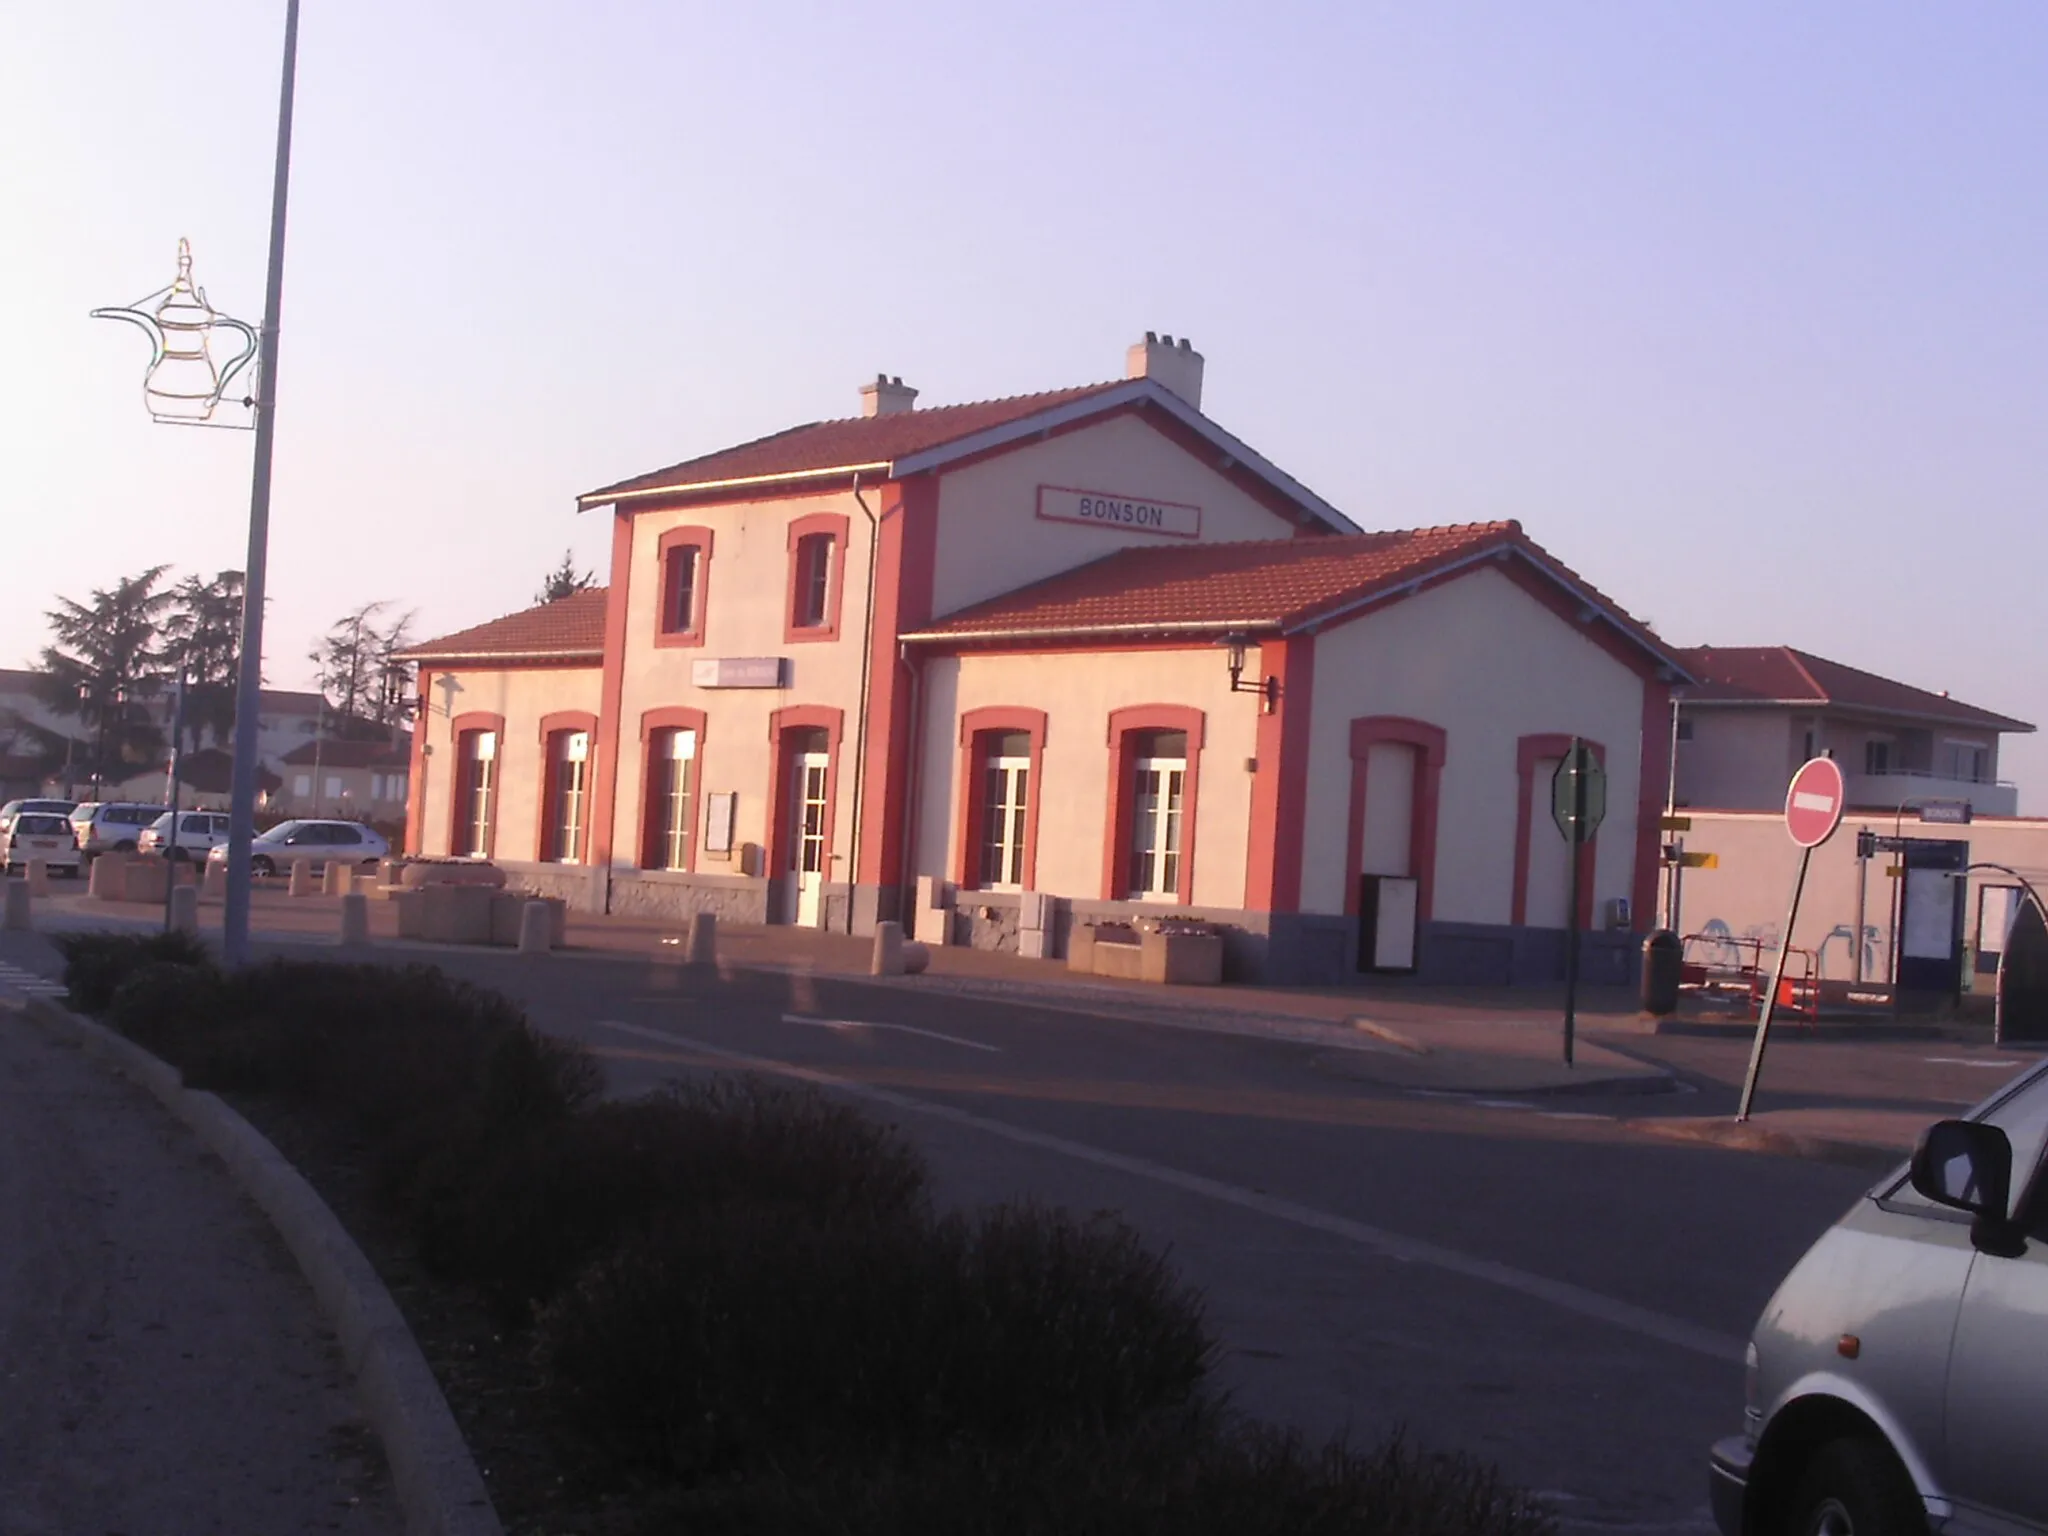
[(184, 382)]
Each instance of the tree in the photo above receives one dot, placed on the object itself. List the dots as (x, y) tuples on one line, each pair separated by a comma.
[(106, 667), (203, 635), (564, 581), (358, 672)]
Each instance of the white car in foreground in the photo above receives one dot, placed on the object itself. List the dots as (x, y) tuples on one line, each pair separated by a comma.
[(43, 835), (310, 842)]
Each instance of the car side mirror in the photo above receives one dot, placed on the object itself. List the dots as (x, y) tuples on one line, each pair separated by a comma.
[(1967, 1165)]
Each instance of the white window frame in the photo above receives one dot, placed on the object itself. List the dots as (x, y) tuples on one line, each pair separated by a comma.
[(1157, 831), (1003, 814), (672, 825), (572, 796)]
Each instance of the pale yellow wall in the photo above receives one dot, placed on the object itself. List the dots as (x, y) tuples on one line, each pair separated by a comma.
[(1742, 759), (743, 616), (1482, 659), (1078, 691), (991, 539), (523, 697)]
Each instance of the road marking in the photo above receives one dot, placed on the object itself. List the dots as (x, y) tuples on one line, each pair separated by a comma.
[(1392, 1245), (20, 979), (1966, 1061), (901, 1029)]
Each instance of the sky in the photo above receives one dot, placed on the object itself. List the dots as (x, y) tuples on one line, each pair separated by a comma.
[(1738, 307)]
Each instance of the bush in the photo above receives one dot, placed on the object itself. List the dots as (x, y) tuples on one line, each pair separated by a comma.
[(95, 964), (1185, 1475), (518, 1216), (747, 1336)]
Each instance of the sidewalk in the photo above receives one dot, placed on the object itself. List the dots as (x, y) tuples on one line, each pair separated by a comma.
[(166, 1366)]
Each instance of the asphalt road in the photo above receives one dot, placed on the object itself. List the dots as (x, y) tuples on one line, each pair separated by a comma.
[(1532, 1282)]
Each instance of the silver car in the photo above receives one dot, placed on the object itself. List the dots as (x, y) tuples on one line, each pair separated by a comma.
[(311, 842), (1897, 1382)]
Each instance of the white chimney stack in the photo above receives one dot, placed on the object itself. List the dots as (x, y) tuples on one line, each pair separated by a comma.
[(1175, 365), (886, 397)]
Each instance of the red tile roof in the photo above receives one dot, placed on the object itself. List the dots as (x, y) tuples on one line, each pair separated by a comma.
[(1782, 674), (856, 441), (568, 629), (1283, 584)]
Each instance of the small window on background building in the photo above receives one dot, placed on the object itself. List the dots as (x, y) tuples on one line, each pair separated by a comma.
[(333, 787), (1877, 757), (1685, 728), (1005, 791), (679, 590), (302, 785), (1806, 748), (813, 580)]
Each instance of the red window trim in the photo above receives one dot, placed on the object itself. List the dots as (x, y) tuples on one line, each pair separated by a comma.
[(1124, 725), (1529, 751), (836, 524), (699, 539), (674, 717), (1367, 732), (458, 796), (781, 722), (993, 720), (565, 722)]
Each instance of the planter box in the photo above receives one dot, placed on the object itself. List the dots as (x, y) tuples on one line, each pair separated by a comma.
[(430, 872), (412, 913), (1181, 959), (457, 914)]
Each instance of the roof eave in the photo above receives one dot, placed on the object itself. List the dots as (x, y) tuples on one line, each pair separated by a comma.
[(613, 495), (500, 658), (1207, 629), (1985, 722)]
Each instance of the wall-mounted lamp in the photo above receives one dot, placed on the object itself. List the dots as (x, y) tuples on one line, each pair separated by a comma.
[(1267, 688)]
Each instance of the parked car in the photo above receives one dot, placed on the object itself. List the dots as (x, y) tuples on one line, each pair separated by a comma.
[(199, 832), (104, 826), (310, 842), (14, 808), (1895, 1382), (32, 835)]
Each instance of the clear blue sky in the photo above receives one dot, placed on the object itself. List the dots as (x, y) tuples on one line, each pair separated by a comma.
[(1742, 309)]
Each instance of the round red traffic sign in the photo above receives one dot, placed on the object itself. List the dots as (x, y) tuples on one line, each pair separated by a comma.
[(1813, 805)]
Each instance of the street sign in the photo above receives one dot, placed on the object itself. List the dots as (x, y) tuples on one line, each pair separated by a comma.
[(1813, 805), (1700, 860), (1674, 824), (1949, 813), (1578, 794)]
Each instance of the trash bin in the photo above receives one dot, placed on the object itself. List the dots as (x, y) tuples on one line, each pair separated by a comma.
[(1662, 953)]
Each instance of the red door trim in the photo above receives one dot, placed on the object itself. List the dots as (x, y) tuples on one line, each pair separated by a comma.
[(1529, 751), (993, 720), (1124, 725), (1368, 731)]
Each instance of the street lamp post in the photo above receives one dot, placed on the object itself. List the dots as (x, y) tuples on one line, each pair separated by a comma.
[(249, 679)]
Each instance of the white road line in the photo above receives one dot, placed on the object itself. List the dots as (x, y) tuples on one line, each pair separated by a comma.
[(22, 980), (901, 1029), (1392, 1245), (1965, 1061)]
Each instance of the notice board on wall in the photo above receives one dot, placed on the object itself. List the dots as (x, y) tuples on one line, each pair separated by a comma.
[(718, 818)]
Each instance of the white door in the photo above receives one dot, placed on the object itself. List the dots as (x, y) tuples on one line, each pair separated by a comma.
[(1548, 893), (805, 883)]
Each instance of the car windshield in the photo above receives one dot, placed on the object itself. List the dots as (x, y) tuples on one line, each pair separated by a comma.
[(83, 813), (277, 834)]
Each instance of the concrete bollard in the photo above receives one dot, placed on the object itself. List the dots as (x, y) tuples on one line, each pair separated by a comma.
[(701, 947), (916, 957), (108, 877), (16, 917), (355, 919), (334, 879), (536, 928), (215, 881), (887, 958), (184, 909), (38, 877), (300, 881)]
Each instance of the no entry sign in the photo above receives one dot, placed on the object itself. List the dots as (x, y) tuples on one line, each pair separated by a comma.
[(1813, 805)]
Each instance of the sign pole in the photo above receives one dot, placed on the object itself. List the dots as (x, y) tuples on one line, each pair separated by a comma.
[(1571, 940), (1763, 1023)]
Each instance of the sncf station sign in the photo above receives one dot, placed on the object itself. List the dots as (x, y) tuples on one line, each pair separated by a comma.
[(1173, 519)]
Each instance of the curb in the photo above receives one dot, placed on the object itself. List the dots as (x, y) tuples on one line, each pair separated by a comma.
[(438, 1485), (1750, 1137), (1394, 1037)]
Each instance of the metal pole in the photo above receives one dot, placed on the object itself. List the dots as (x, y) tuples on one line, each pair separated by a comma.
[(171, 847), (249, 677), (1862, 902), (1763, 1023), (1571, 942)]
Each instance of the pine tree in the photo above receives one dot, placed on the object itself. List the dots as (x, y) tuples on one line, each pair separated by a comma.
[(564, 581)]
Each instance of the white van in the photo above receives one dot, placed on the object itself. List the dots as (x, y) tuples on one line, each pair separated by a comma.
[(1897, 1383)]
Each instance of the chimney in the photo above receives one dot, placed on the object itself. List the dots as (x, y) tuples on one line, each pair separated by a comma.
[(886, 397), (1176, 365)]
